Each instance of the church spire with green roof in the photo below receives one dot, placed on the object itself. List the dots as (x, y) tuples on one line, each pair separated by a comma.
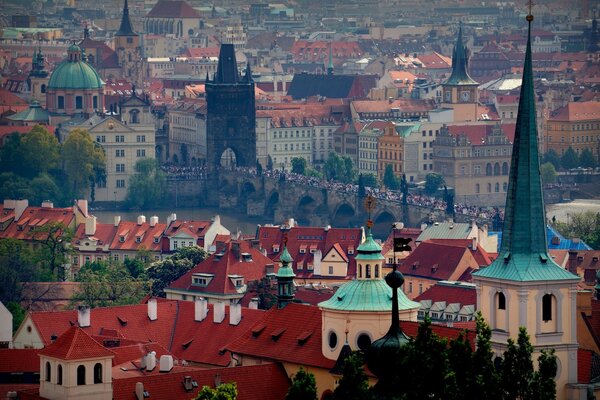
[(285, 278), (460, 61), (524, 254)]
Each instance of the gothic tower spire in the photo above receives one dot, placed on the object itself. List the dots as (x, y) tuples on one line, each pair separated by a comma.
[(460, 61), (126, 29)]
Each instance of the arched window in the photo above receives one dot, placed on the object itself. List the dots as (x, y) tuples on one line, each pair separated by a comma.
[(496, 169), (367, 271), (134, 117), (501, 301), (98, 373), (59, 374), (81, 375), (489, 188), (547, 307), (360, 271), (504, 168), (48, 372), (488, 169), (43, 88), (376, 271)]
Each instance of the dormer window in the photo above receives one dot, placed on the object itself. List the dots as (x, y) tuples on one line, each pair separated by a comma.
[(156, 239), (247, 257), (138, 239), (275, 249), (201, 279), (122, 239), (350, 250)]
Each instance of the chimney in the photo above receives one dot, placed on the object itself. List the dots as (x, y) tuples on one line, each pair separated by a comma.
[(153, 220), (83, 316), (235, 314), (117, 220), (327, 228), (90, 225), (83, 206), (235, 249), (317, 257), (141, 219), (423, 227), (47, 204), (171, 218), (200, 309), (143, 361), (139, 391), (166, 363), (218, 312), (253, 305), (152, 311), (474, 244), (151, 361)]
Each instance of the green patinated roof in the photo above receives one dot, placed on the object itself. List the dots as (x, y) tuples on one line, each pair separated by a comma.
[(366, 295), (34, 113), (524, 252), (126, 28), (285, 271), (75, 75), (460, 76), (368, 247), (406, 130)]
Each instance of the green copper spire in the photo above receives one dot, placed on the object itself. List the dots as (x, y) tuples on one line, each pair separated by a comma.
[(126, 28), (524, 252), (460, 76), (285, 270), (330, 65)]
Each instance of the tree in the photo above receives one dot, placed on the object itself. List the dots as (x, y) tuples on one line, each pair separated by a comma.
[(225, 391), (259, 168), (40, 150), (517, 367), (162, 273), (43, 187), (304, 386), (548, 173), (544, 385), (81, 160), (370, 180), (354, 384), (54, 239), (339, 168), (147, 186), (432, 183), (269, 163), (552, 157), (569, 159), (389, 179), (585, 225), (484, 374), (13, 186), (587, 159), (298, 165), (11, 154), (18, 314), (449, 199), (16, 265)]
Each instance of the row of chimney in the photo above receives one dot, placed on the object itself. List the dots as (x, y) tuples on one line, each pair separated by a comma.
[(200, 312)]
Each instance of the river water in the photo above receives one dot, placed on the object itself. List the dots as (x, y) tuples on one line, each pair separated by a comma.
[(562, 211)]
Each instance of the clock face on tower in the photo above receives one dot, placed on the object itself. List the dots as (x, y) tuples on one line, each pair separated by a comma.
[(465, 96)]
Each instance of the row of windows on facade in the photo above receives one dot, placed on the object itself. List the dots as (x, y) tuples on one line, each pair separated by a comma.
[(138, 153), (578, 139), (121, 139), (390, 155), (284, 134), (305, 146), (115, 257), (489, 187), (81, 378), (580, 127), (119, 183), (78, 102), (547, 301), (285, 159)]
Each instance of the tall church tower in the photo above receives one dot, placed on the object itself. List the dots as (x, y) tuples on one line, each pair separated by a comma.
[(129, 51), (38, 78), (524, 286), (231, 113), (460, 90)]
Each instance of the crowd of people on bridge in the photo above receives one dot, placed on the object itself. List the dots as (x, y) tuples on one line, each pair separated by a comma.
[(176, 172)]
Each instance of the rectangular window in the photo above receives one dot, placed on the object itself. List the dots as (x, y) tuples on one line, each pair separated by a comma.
[(101, 138), (330, 270), (95, 102), (120, 167), (61, 102), (141, 138), (120, 183), (120, 153), (120, 139), (78, 102), (141, 152)]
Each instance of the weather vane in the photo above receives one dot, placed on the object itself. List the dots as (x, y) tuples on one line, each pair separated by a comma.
[(369, 206)]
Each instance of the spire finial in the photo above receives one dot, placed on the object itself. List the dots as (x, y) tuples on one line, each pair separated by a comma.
[(369, 206), (529, 17)]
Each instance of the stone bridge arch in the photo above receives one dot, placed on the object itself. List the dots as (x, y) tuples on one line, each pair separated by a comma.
[(306, 208), (382, 223), (343, 216), (272, 204)]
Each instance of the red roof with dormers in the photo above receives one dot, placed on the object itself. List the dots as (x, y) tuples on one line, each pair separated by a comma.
[(435, 61), (105, 233), (481, 256), (132, 236), (10, 101), (301, 240), (290, 334), (450, 293), (299, 115), (134, 352), (258, 382), (37, 217), (438, 261), (228, 261), (75, 344)]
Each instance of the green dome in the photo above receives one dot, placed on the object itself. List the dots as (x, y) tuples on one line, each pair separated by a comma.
[(75, 74), (366, 295), (73, 48), (285, 271)]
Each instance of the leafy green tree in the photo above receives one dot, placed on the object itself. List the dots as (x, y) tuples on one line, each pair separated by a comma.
[(370, 180), (108, 284), (313, 173), (162, 273), (298, 165), (339, 168), (269, 163), (304, 386), (544, 385), (54, 239), (11, 154), (517, 367), (433, 182), (553, 158), (40, 150), (16, 265), (81, 159), (43, 187), (390, 180), (569, 159), (225, 391), (460, 362), (585, 225), (18, 314), (13, 186), (147, 186), (485, 377), (587, 159), (548, 173), (354, 384), (135, 267)]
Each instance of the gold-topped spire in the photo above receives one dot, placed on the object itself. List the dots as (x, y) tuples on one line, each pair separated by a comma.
[(529, 17), (369, 206)]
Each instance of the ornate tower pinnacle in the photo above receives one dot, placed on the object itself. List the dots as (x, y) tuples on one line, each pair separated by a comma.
[(126, 28)]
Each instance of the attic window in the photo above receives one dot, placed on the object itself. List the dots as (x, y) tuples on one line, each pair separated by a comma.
[(434, 268), (257, 330), (219, 256), (122, 321), (275, 249), (415, 265), (138, 239), (247, 257), (302, 250), (350, 250), (309, 267), (303, 337), (157, 239), (277, 334), (121, 238), (187, 344)]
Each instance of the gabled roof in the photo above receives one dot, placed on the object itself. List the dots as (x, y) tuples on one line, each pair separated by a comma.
[(578, 111), (36, 217), (450, 292), (149, 236), (173, 9), (437, 261), (446, 230), (75, 344), (291, 334), (331, 86), (104, 234), (192, 228)]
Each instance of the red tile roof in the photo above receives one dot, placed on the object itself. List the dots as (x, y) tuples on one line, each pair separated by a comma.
[(172, 9), (201, 52), (384, 106), (482, 257), (277, 337), (478, 133), (19, 360), (305, 238), (259, 382), (105, 233), (228, 260), (10, 101), (435, 61), (128, 233), (75, 344), (465, 295), (578, 111), (35, 217)]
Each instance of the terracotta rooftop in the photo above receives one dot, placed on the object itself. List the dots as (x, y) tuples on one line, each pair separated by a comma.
[(450, 292), (578, 111), (75, 344)]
